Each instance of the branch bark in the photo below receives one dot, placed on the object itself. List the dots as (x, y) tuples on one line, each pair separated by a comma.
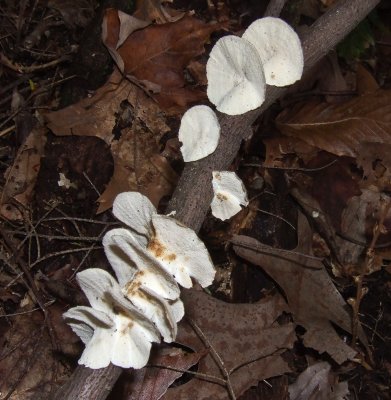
[(193, 195), (274, 8)]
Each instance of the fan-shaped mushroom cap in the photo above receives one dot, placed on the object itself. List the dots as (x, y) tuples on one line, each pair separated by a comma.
[(236, 82), (112, 328), (180, 252), (279, 48), (229, 194), (134, 210), (199, 133)]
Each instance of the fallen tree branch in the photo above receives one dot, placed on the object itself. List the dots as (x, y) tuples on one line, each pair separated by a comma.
[(274, 8), (193, 195)]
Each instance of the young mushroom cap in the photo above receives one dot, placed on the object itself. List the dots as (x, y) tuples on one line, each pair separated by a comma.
[(279, 49), (236, 82), (199, 133), (229, 194)]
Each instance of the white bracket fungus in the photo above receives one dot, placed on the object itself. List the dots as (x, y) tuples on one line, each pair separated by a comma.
[(236, 82), (175, 247), (229, 194), (112, 329), (279, 48), (128, 257), (181, 253), (199, 133), (148, 260)]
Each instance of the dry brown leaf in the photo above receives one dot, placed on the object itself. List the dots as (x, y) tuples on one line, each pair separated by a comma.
[(28, 367), (22, 175), (114, 33), (245, 336), (340, 129), (311, 294), (155, 11), (375, 161), (318, 383), (331, 186), (151, 383), (138, 167), (358, 222), (157, 56), (365, 81), (137, 163), (278, 149)]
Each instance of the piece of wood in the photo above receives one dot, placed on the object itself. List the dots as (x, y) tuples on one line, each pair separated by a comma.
[(193, 195), (274, 8)]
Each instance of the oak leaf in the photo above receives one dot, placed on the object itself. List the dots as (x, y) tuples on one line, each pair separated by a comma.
[(341, 128), (138, 165), (157, 56), (155, 11), (22, 175), (311, 294), (246, 337)]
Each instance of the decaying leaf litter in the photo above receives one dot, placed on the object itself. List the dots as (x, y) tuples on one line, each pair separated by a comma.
[(317, 221)]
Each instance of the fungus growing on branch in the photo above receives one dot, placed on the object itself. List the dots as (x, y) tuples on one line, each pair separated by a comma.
[(199, 133), (279, 49), (229, 194), (236, 83)]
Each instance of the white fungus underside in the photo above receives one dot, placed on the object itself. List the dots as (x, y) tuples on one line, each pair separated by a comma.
[(126, 254), (229, 194), (184, 255), (236, 82), (279, 49), (134, 210), (199, 133), (121, 345)]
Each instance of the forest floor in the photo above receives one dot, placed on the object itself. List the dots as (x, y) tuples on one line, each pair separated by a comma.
[(302, 295)]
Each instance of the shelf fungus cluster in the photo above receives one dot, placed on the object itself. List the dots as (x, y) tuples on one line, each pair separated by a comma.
[(154, 253), (238, 70), (150, 257)]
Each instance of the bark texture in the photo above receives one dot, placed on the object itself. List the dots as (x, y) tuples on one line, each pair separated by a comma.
[(193, 195), (274, 8)]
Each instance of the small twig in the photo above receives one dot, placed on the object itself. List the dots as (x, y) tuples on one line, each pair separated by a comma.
[(91, 183), (47, 304), (93, 247), (206, 377), (290, 168), (63, 238), (276, 216), (28, 234), (32, 284), (7, 130), (91, 221), (60, 253), (215, 355), (22, 69), (72, 221)]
